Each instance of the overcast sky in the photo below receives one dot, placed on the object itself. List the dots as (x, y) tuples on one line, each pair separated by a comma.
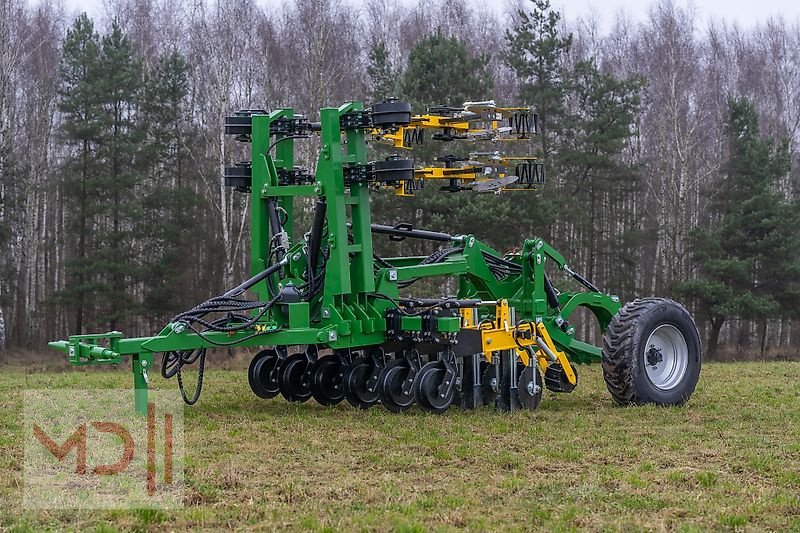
[(745, 12)]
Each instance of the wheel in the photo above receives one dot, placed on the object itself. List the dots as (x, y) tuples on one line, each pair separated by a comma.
[(262, 374), (651, 353), (390, 386), (426, 388), (529, 387), (294, 379), (361, 383), (555, 379), (391, 113), (326, 380)]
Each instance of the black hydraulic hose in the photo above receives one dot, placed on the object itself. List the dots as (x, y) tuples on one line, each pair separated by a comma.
[(403, 230), (239, 289), (275, 226), (552, 297), (315, 239)]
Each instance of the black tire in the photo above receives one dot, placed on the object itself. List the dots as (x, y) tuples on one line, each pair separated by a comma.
[(555, 379), (391, 113), (360, 391), (426, 389), (294, 379), (262, 376), (390, 383), (627, 354), (326, 380)]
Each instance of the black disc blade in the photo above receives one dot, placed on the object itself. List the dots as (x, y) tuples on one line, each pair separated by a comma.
[(490, 384), (530, 388)]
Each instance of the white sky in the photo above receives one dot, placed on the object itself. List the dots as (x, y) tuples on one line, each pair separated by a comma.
[(746, 13)]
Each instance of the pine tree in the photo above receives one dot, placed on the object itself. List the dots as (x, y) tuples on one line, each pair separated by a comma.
[(748, 261), (80, 102), (535, 53), (382, 74), (121, 138), (594, 129), (442, 71), (168, 197)]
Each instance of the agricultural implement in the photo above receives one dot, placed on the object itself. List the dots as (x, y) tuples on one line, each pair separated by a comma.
[(337, 322)]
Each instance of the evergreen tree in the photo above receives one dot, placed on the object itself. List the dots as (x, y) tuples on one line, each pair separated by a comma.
[(748, 261), (535, 53), (586, 119), (121, 136), (442, 71), (169, 197), (80, 101), (595, 127), (382, 74)]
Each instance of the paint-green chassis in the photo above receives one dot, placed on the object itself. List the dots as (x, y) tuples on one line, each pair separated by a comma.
[(350, 310)]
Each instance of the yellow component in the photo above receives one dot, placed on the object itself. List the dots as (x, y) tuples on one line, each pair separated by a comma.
[(500, 335), (468, 315), (462, 125), (561, 356), (465, 173)]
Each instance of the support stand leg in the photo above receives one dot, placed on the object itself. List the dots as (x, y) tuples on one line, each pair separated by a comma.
[(141, 365)]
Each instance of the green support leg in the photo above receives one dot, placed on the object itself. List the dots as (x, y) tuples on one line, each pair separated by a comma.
[(142, 363)]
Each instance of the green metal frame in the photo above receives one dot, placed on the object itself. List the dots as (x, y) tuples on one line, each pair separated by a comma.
[(350, 311)]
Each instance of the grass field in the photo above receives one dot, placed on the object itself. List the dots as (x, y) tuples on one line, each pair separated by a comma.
[(729, 460)]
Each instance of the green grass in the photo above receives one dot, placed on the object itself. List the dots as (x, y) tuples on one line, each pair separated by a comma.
[(728, 460)]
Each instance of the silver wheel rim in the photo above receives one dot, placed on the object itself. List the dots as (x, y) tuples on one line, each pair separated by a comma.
[(666, 357)]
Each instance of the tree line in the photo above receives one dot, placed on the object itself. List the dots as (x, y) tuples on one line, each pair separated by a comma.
[(670, 150)]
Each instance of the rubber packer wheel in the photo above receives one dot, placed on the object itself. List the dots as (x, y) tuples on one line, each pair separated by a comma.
[(651, 353), (390, 386), (261, 376), (426, 389), (360, 391), (293, 379), (326, 380)]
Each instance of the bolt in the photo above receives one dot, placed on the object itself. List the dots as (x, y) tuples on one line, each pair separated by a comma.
[(393, 275), (144, 362), (296, 257), (326, 313)]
